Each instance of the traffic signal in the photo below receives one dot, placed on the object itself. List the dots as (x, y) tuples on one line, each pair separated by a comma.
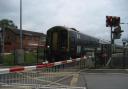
[(112, 21), (108, 21), (117, 29), (116, 21), (117, 32)]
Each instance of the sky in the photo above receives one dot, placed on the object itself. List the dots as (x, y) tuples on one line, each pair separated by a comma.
[(87, 16)]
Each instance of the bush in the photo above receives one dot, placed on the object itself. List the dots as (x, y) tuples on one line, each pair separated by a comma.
[(30, 58), (8, 60)]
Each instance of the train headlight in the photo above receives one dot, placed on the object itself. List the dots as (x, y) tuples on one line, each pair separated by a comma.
[(48, 46)]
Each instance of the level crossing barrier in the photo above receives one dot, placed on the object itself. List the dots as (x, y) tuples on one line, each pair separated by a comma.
[(42, 76)]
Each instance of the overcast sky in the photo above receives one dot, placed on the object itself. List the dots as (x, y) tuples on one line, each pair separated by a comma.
[(87, 16)]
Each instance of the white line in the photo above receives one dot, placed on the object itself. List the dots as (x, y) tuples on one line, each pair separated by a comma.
[(78, 59), (69, 61), (4, 71), (57, 63), (28, 68)]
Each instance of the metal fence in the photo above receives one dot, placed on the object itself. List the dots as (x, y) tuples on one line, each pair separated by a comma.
[(120, 60), (57, 75), (30, 57)]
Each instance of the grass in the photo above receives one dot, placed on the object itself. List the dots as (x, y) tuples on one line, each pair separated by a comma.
[(29, 59), (8, 60)]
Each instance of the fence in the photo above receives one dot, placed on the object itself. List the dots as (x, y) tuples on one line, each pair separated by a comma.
[(57, 75), (31, 57), (120, 60)]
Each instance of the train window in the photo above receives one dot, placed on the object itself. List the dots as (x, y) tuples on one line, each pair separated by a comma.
[(78, 36), (78, 49)]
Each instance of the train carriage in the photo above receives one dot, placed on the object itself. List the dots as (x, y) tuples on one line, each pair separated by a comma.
[(64, 43)]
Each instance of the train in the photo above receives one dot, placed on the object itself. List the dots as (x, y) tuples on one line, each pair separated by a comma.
[(63, 43)]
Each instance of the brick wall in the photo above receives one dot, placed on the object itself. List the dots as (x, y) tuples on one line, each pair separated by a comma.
[(12, 41)]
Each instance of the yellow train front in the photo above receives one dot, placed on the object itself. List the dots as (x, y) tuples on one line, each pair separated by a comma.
[(64, 43)]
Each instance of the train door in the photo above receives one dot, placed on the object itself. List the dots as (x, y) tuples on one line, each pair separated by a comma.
[(55, 40), (63, 38), (59, 40)]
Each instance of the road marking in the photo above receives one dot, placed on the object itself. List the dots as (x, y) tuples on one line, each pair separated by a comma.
[(74, 80)]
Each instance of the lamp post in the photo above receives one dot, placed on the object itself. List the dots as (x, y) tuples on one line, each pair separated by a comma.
[(20, 51), (21, 43)]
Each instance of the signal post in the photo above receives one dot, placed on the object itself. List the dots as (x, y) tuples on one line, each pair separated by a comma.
[(113, 21)]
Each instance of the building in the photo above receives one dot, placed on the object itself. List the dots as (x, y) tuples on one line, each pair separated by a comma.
[(31, 40)]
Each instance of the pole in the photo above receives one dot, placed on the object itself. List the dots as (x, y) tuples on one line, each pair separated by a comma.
[(111, 41), (95, 56), (1, 59), (111, 48), (20, 52), (124, 54), (21, 44)]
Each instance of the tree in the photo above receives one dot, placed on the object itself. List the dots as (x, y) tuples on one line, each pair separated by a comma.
[(7, 23), (4, 23)]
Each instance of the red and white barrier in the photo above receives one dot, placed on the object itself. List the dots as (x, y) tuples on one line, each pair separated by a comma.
[(43, 65)]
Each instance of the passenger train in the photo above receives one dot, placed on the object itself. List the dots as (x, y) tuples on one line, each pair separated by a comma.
[(65, 43)]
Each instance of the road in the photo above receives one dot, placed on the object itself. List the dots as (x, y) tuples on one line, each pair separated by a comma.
[(86, 79), (104, 80)]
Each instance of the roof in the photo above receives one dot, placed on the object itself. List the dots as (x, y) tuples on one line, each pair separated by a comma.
[(25, 32)]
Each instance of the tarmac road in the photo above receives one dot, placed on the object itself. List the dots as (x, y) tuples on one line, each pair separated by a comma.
[(105, 80)]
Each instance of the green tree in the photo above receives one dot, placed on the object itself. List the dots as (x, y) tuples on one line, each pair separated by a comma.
[(7, 23)]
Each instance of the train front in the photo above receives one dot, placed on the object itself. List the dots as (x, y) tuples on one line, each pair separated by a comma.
[(57, 44)]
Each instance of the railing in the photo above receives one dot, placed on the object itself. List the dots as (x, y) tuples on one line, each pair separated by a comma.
[(57, 75)]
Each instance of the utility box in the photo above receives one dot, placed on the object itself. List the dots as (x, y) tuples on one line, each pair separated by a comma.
[(19, 56)]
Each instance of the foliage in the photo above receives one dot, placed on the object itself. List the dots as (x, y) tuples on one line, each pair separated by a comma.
[(7, 23), (8, 60), (30, 58)]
